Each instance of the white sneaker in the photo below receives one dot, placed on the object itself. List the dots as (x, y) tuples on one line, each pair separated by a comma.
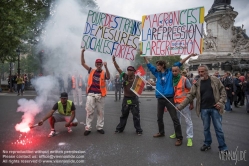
[(52, 133), (69, 129)]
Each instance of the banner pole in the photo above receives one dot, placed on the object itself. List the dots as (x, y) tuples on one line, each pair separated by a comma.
[(165, 98)]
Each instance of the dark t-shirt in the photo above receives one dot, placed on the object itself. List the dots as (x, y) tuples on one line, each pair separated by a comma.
[(207, 96), (55, 107), (118, 83), (127, 84)]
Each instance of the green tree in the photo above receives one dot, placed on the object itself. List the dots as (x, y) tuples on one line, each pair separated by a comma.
[(19, 24), (170, 60)]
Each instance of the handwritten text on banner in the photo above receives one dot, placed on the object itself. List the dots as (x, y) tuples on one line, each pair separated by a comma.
[(173, 33), (110, 34)]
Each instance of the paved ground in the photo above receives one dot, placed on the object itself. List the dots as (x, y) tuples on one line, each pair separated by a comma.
[(118, 149)]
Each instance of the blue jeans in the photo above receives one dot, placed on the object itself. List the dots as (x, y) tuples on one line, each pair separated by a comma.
[(206, 116), (227, 105)]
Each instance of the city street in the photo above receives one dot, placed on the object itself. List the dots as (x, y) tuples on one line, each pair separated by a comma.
[(126, 148)]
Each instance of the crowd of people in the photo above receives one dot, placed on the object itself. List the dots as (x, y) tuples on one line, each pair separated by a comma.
[(237, 89), (176, 91), (19, 82)]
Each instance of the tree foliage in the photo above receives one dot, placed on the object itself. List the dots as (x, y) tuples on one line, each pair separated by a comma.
[(19, 24), (23, 21), (170, 60)]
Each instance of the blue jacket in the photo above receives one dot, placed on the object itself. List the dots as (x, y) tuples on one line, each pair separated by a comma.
[(164, 83)]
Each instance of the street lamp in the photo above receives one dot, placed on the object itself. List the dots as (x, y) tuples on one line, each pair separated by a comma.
[(18, 67)]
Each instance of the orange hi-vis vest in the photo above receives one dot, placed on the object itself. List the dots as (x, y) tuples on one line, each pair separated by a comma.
[(102, 82), (180, 90), (74, 82)]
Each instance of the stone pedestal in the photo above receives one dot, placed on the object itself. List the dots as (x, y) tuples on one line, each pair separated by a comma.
[(223, 42)]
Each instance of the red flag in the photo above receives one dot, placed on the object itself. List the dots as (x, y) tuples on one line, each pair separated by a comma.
[(140, 71)]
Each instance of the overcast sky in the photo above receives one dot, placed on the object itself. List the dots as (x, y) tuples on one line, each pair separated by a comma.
[(135, 9)]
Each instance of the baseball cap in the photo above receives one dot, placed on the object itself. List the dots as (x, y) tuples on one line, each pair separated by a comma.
[(131, 68), (64, 95), (98, 61)]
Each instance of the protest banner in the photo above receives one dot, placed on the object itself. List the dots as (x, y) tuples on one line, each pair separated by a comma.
[(112, 35), (138, 85), (173, 33)]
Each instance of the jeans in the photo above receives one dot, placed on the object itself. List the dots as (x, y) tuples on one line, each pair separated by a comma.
[(19, 88), (206, 116), (189, 125), (117, 93), (161, 104), (227, 105), (247, 102)]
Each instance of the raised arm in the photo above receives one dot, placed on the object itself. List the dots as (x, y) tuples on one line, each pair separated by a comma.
[(83, 63), (116, 65), (107, 71), (184, 60), (145, 58)]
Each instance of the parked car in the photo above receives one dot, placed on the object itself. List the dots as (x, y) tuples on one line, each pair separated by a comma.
[(150, 86)]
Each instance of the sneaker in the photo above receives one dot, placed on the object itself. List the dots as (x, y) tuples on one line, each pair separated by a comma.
[(173, 136), (190, 143), (139, 133), (69, 129), (158, 135), (117, 131), (101, 131), (205, 147), (87, 133), (178, 142), (52, 133)]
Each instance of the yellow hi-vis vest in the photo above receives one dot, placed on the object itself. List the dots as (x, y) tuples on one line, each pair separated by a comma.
[(68, 108)]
